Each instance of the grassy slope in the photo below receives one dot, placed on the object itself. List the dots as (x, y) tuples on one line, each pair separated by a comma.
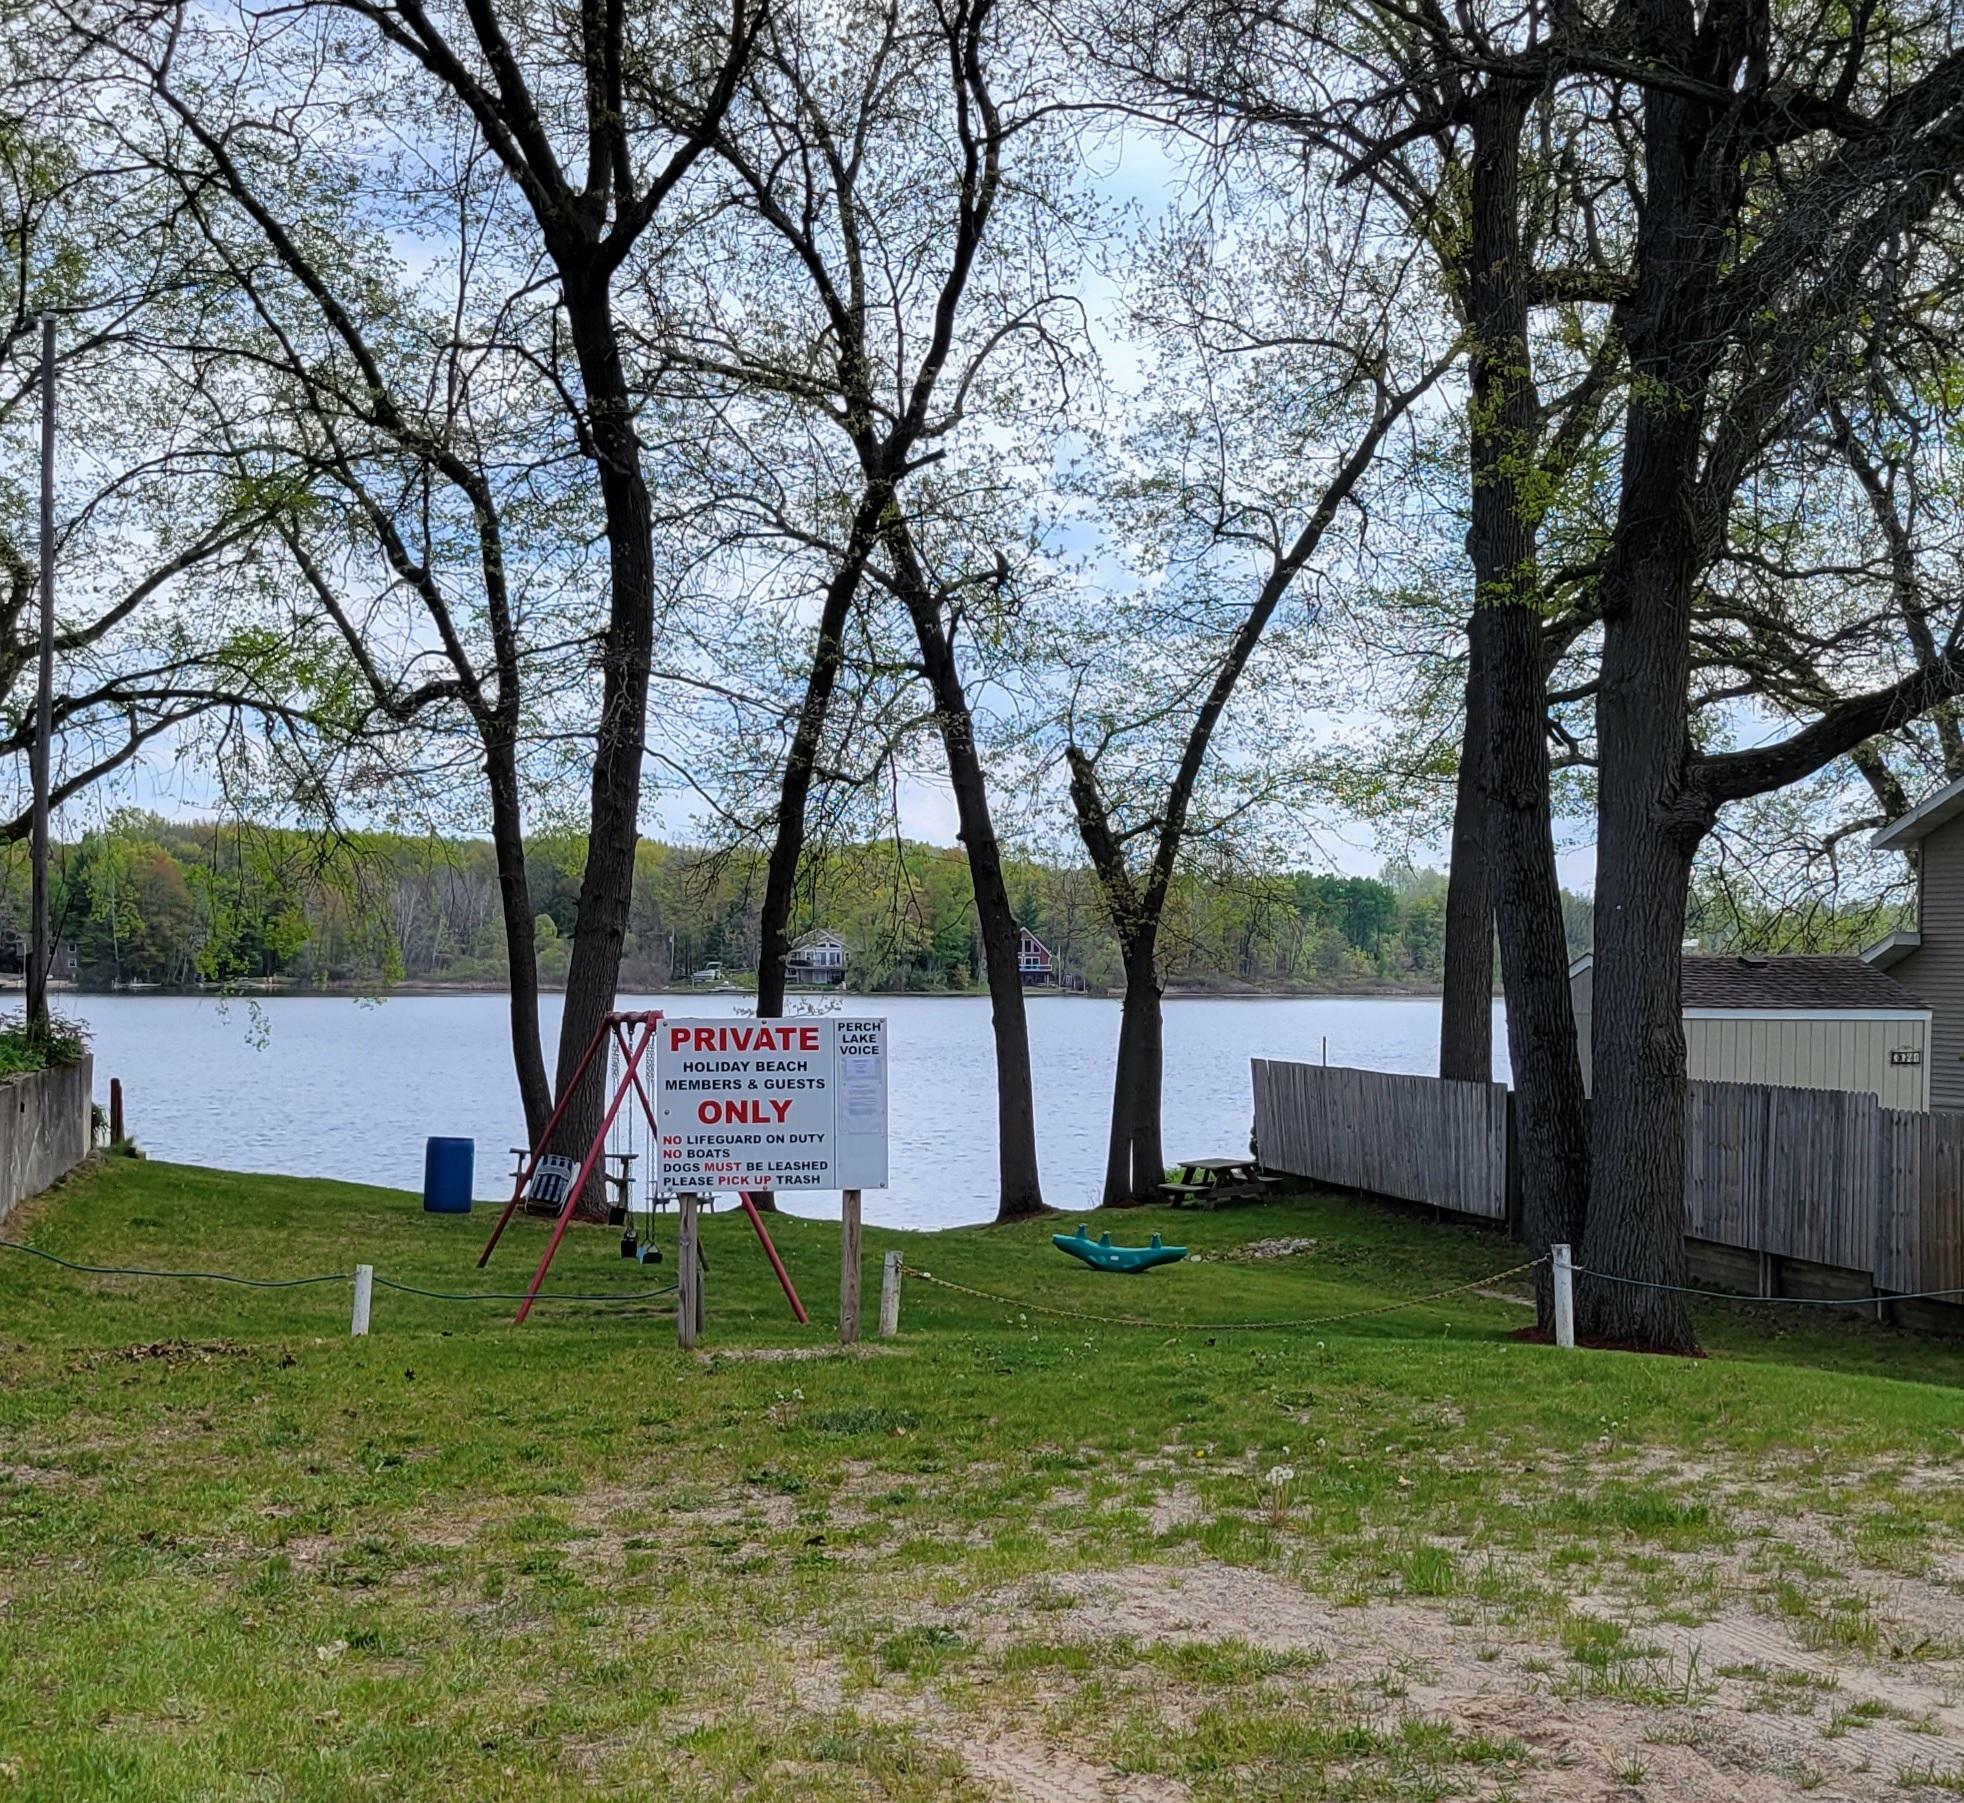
[(462, 1560)]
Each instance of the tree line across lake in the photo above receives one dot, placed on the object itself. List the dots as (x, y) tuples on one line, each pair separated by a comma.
[(147, 900)]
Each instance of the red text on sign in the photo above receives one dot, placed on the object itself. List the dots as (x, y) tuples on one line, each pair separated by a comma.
[(743, 1038), (752, 1114)]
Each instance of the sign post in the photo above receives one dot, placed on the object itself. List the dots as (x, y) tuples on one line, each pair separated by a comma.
[(849, 1268), (688, 1272)]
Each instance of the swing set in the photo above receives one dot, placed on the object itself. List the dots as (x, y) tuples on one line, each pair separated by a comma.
[(550, 1182)]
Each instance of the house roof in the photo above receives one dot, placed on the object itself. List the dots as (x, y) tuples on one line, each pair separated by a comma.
[(1922, 820), (1826, 984), (1886, 953)]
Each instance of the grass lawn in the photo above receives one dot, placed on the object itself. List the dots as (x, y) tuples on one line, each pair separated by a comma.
[(243, 1555)]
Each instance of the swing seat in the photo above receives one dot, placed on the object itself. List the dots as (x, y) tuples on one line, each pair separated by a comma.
[(552, 1177), (643, 1252)]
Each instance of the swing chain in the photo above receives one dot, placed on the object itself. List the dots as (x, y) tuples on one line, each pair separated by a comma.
[(619, 1166)]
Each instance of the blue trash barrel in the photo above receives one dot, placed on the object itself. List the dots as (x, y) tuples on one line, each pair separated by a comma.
[(447, 1173)]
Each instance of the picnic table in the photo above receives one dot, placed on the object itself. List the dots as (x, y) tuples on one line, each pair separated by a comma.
[(1208, 1182)]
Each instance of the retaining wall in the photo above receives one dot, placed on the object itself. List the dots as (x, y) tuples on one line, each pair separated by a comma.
[(44, 1129)]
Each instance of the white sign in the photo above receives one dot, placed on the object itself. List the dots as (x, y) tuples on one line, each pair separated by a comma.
[(772, 1104)]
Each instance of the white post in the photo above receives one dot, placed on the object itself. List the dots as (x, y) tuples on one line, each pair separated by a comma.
[(849, 1268), (364, 1294), (890, 1296), (688, 1276), (1564, 1276)]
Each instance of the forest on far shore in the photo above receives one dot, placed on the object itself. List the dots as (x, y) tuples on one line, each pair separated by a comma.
[(185, 903)]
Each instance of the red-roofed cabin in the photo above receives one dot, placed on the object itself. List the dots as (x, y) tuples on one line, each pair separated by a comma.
[(1034, 960)]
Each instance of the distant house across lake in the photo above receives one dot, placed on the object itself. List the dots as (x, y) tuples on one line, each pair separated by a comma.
[(62, 962), (818, 961), (1034, 960)]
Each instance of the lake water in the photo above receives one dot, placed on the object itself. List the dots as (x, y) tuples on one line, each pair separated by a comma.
[(323, 1086)]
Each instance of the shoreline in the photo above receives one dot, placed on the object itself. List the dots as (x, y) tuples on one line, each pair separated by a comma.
[(1380, 992)]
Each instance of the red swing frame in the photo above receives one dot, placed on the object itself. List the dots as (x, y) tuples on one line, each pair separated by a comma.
[(633, 1032)]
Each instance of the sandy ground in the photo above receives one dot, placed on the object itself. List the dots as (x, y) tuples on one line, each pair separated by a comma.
[(1753, 1715)]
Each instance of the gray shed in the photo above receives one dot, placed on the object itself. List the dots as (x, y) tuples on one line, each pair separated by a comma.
[(1830, 1022)]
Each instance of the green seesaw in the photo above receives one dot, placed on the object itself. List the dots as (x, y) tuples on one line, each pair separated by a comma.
[(1101, 1255)]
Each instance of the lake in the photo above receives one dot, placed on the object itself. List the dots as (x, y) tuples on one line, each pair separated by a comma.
[(323, 1086)]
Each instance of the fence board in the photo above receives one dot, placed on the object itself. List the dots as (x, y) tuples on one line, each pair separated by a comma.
[(1417, 1138), (1795, 1172), (1899, 1200), (1940, 1204)]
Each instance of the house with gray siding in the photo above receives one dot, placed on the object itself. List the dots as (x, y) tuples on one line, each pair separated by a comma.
[(818, 960), (1929, 959)]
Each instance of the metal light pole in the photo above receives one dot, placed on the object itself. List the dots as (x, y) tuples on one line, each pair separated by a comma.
[(37, 963)]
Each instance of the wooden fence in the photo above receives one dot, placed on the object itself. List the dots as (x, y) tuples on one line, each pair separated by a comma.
[(1418, 1138), (1827, 1177), (1830, 1177)]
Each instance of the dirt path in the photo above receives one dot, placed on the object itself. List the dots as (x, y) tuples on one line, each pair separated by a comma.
[(1736, 1710)]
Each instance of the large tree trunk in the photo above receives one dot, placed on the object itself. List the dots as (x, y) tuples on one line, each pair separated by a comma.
[(1507, 654), (521, 946), (613, 829), (1636, 1221), (1021, 1191), (1466, 1007), (1649, 823), (1552, 1111), (1135, 1160)]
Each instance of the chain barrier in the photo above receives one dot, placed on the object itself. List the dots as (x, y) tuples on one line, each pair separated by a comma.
[(1680, 1289), (409, 1289), (1072, 1314), (250, 1283), (296, 1283)]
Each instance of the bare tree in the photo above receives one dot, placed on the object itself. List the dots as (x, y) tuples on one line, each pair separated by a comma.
[(575, 142), (160, 643), (1285, 406), (1490, 175), (878, 231)]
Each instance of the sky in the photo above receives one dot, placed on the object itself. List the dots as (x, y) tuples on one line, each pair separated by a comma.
[(1133, 171)]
